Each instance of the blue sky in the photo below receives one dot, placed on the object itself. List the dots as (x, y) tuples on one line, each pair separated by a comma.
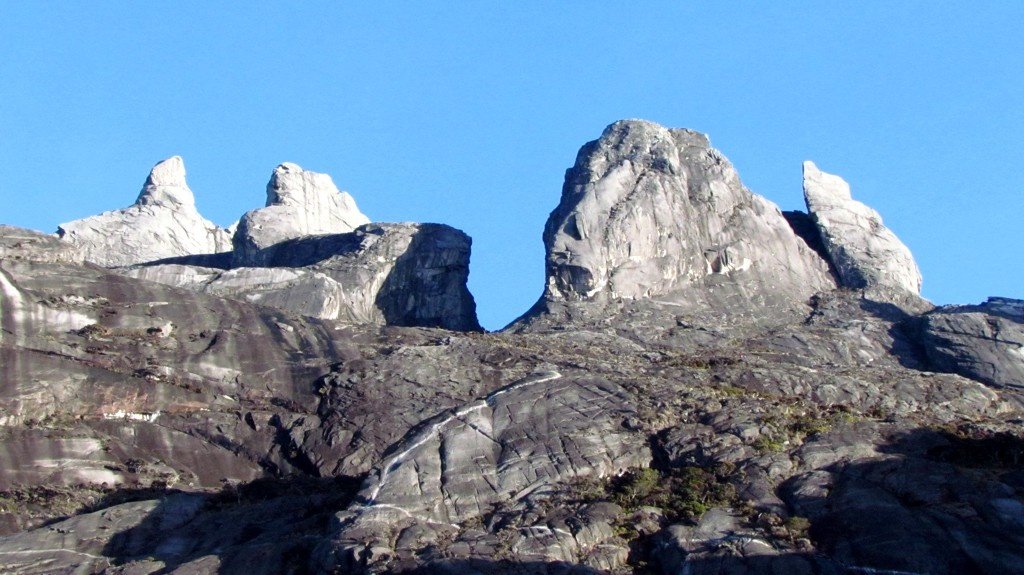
[(468, 113)]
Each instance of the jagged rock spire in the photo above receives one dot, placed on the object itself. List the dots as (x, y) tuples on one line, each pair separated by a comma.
[(649, 212), (166, 185), (299, 203), (162, 223), (865, 253)]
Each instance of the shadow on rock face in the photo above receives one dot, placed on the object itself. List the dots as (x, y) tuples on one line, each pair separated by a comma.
[(221, 261), (426, 287), (267, 526), (936, 501), (499, 567), (906, 345), (411, 275)]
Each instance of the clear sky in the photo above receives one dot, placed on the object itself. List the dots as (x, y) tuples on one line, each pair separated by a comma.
[(468, 113)]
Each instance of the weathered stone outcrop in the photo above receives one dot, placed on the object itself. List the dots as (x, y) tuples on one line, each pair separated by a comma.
[(22, 244), (502, 448), (154, 383), (695, 421), (865, 253), (310, 251), (299, 203), (162, 223), (395, 274), (983, 342), (650, 212)]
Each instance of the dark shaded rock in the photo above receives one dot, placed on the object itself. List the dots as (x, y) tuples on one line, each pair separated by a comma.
[(984, 342), (911, 508), (394, 274)]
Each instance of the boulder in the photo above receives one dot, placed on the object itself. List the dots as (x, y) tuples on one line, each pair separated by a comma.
[(299, 203), (865, 253), (162, 223)]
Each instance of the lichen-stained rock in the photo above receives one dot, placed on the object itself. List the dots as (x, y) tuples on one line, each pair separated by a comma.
[(299, 203), (650, 212), (162, 223), (865, 253), (984, 342), (394, 274), (516, 443)]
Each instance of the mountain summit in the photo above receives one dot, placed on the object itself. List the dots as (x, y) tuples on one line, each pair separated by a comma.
[(707, 385), (162, 223)]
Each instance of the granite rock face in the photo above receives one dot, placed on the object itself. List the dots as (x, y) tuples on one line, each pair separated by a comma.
[(984, 342), (697, 425), (394, 274), (865, 253), (501, 448), (299, 203), (162, 223), (655, 213), (310, 252)]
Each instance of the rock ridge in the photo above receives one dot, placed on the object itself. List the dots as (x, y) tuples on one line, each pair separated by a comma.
[(673, 408), (310, 251)]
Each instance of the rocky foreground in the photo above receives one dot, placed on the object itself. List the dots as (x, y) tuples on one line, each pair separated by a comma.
[(707, 385)]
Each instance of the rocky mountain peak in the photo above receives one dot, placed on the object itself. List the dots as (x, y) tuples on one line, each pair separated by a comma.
[(299, 203), (865, 253), (692, 395), (652, 212), (162, 223), (313, 192), (310, 252), (166, 185)]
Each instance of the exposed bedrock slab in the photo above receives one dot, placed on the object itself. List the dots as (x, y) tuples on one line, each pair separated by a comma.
[(983, 342), (195, 388), (514, 444), (29, 245), (299, 203), (162, 223), (865, 253), (651, 212), (395, 274)]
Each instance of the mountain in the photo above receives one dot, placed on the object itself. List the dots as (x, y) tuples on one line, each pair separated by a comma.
[(706, 385)]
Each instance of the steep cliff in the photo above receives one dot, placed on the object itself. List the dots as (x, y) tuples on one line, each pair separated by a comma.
[(649, 212), (664, 408)]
